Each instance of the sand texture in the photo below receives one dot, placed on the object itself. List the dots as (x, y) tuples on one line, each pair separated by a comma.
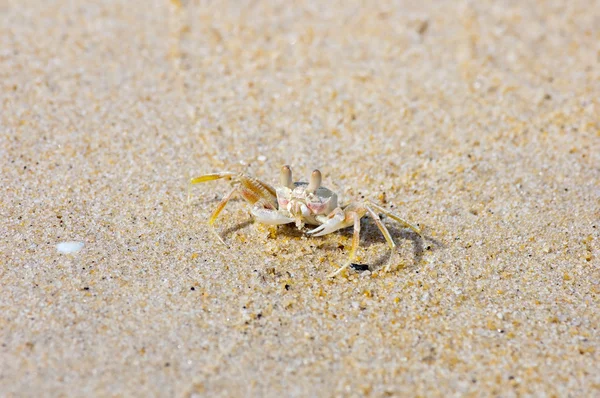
[(477, 120)]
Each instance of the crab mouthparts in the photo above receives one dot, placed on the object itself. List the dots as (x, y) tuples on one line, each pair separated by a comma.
[(299, 223)]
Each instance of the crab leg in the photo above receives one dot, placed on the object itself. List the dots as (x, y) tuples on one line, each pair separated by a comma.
[(252, 189), (395, 218), (217, 211), (204, 178), (340, 220), (220, 207), (382, 227), (355, 243), (386, 235)]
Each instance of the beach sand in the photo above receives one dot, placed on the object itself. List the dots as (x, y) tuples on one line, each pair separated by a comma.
[(478, 121)]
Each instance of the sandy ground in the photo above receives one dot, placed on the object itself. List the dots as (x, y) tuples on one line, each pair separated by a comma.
[(477, 120)]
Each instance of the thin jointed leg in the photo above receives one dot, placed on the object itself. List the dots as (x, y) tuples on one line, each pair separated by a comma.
[(220, 207), (386, 235), (395, 217), (355, 243), (252, 190), (204, 178), (217, 211)]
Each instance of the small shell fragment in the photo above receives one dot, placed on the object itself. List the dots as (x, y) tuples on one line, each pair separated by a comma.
[(69, 247)]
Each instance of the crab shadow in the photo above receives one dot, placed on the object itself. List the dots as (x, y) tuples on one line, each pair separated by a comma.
[(286, 229), (234, 228), (369, 236)]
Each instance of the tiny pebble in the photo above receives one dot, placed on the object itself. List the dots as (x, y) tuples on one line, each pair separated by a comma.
[(69, 247), (261, 158), (360, 267)]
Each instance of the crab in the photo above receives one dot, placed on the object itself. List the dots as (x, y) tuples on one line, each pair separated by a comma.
[(303, 203)]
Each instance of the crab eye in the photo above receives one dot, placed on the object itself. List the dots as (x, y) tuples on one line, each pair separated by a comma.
[(285, 178), (315, 181)]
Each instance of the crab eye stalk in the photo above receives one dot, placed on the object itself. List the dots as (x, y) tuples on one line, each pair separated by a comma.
[(315, 181), (285, 178)]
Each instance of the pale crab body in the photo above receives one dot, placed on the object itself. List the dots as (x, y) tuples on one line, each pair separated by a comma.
[(305, 206), (303, 203)]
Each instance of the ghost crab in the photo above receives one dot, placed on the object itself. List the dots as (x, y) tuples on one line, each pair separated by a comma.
[(303, 203)]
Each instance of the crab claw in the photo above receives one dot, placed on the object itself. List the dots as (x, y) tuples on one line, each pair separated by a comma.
[(270, 217), (338, 221)]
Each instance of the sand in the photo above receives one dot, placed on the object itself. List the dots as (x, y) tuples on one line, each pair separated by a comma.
[(478, 121)]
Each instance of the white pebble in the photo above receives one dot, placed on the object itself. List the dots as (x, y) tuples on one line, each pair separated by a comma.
[(261, 158), (69, 247)]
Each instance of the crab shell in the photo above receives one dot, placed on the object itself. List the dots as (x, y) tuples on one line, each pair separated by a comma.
[(305, 205)]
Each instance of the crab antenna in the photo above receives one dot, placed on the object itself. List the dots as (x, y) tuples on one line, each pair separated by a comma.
[(285, 178), (315, 181)]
